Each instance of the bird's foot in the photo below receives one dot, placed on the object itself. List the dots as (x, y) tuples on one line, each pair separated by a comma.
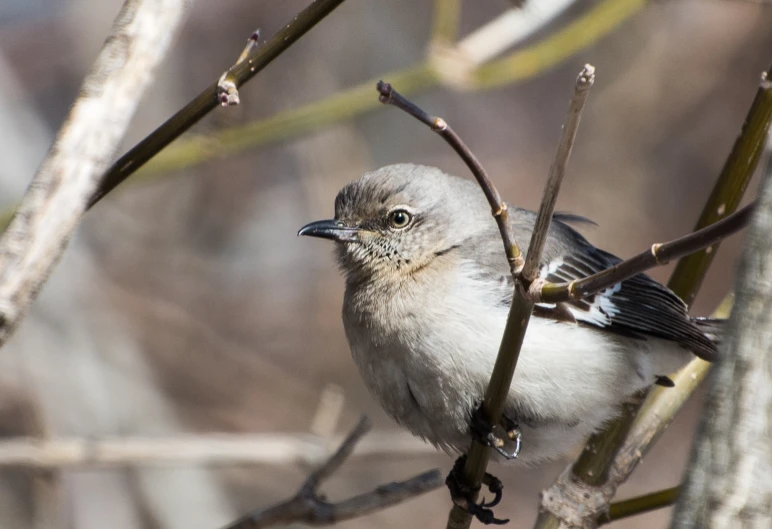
[(463, 495), (482, 431)]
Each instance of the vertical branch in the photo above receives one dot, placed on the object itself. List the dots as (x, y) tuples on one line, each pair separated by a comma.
[(522, 306), (59, 192), (557, 170)]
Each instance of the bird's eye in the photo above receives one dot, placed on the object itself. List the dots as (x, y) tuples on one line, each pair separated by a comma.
[(399, 218)]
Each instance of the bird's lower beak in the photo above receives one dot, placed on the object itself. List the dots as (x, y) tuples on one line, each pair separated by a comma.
[(330, 229)]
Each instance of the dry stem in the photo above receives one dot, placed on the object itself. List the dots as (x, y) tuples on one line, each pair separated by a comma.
[(658, 255), (308, 507), (498, 207), (200, 449), (557, 171)]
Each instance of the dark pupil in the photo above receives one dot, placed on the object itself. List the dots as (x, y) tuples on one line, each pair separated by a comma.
[(399, 218)]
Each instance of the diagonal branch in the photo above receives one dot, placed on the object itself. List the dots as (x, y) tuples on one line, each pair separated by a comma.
[(238, 74), (308, 507), (658, 255), (59, 192)]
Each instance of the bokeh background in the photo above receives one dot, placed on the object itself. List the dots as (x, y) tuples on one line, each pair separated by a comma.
[(186, 304)]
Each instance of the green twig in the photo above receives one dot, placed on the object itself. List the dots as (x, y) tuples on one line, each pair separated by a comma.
[(581, 33), (640, 505), (447, 14), (729, 189)]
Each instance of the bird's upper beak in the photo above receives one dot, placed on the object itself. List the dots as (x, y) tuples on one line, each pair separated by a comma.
[(330, 229)]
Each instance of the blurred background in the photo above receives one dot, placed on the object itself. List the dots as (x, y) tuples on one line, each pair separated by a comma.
[(186, 305)]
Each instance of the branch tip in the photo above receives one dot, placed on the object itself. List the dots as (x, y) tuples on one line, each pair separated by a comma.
[(586, 77), (766, 83)]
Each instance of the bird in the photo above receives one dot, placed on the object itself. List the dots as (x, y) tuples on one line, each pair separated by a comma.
[(427, 293)]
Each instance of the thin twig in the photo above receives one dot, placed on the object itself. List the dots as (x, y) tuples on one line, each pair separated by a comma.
[(59, 192), (209, 99), (498, 207), (200, 449), (308, 507), (557, 171), (520, 311), (658, 255)]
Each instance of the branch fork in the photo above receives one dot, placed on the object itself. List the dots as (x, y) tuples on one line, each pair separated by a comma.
[(309, 506), (529, 287)]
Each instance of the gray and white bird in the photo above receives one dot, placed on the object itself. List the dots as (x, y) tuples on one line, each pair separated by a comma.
[(428, 290)]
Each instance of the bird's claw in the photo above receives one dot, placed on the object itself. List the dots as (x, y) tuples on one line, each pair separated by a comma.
[(496, 487), (482, 431), (462, 494)]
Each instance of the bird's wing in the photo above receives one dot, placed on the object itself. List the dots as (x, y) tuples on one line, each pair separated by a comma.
[(638, 307)]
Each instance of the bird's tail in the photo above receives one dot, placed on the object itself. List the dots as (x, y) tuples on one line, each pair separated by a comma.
[(712, 327)]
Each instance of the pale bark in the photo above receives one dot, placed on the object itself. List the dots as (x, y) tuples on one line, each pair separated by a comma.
[(729, 481)]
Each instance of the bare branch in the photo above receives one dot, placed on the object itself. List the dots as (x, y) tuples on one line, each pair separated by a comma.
[(498, 207), (308, 507), (59, 192), (201, 449), (557, 171), (209, 99), (658, 255)]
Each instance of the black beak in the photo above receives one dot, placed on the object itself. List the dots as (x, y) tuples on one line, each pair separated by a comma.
[(330, 229)]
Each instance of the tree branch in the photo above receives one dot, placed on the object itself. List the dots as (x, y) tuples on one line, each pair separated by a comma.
[(498, 207), (729, 477), (201, 449), (658, 255), (557, 171), (59, 192), (308, 507), (238, 74), (640, 505)]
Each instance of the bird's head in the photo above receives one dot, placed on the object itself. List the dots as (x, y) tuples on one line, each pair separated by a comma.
[(397, 220)]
